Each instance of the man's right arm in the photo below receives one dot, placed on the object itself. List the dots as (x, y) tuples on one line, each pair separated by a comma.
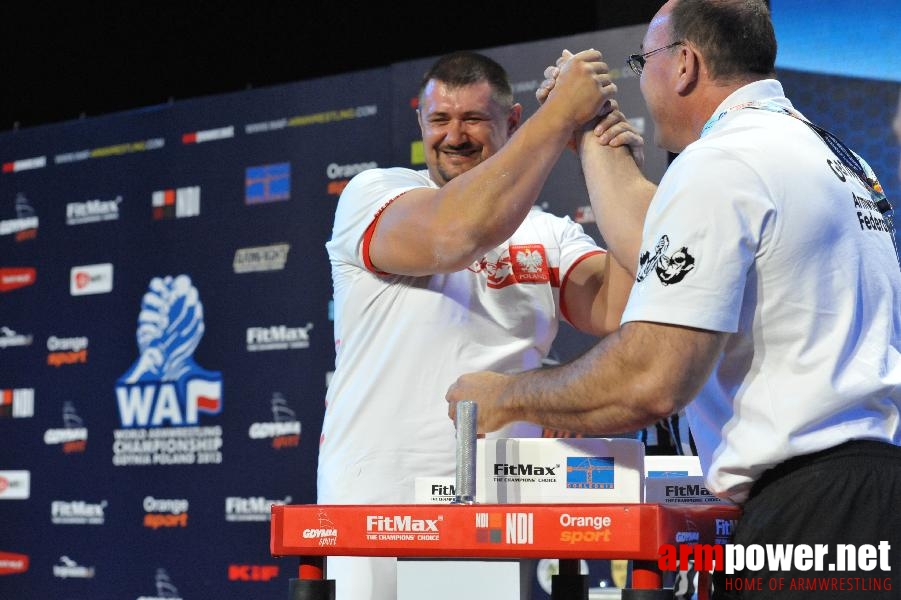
[(637, 375), (426, 231)]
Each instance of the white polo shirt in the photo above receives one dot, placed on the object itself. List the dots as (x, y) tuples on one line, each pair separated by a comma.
[(401, 341), (756, 231)]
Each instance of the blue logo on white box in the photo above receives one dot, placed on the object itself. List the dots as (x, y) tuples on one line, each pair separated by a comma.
[(589, 472)]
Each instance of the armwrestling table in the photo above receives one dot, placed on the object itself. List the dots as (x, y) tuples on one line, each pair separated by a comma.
[(568, 532)]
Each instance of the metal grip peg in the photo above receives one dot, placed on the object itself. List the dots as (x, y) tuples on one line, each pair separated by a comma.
[(465, 490)]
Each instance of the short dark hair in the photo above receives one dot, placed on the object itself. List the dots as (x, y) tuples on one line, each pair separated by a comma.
[(463, 68), (735, 37)]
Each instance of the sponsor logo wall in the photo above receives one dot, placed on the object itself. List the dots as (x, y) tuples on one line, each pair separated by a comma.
[(164, 336)]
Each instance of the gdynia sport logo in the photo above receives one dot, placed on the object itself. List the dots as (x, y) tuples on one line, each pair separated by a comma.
[(836, 567)]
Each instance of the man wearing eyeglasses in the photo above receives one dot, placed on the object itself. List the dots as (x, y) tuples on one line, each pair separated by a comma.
[(766, 305)]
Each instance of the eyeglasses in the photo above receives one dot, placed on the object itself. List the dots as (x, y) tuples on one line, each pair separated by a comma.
[(636, 61)]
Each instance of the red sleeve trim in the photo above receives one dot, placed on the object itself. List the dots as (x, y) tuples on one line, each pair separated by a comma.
[(370, 231), (563, 310)]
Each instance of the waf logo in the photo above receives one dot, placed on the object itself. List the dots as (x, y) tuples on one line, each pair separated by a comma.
[(515, 264), (165, 386), (589, 472)]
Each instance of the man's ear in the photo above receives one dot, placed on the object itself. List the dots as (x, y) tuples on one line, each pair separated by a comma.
[(514, 118), (690, 66)]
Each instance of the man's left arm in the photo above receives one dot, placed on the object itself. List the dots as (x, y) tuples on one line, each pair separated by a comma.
[(595, 293), (634, 377)]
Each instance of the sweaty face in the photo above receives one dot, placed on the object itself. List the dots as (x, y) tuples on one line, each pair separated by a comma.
[(461, 127)]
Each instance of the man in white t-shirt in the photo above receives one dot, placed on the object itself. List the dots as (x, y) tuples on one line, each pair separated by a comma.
[(450, 269), (767, 304)]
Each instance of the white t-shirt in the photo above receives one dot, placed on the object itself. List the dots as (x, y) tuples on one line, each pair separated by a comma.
[(401, 341), (755, 230)]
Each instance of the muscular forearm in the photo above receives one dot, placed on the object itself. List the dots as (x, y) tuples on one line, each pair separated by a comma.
[(620, 196), (484, 206), (624, 383), (427, 230)]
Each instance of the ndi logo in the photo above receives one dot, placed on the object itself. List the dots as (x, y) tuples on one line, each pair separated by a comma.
[(17, 403), (165, 385), (176, 203), (505, 528)]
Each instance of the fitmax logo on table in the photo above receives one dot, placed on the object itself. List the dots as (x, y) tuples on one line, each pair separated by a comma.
[(165, 386)]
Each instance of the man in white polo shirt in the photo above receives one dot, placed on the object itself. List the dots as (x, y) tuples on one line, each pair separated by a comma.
[(767, 303), (445, 270)]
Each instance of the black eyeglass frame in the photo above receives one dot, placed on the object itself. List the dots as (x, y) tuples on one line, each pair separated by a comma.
[(636, 61)]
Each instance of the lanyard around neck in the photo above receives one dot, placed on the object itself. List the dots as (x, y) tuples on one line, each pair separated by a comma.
[(850, 159), (847, 156)]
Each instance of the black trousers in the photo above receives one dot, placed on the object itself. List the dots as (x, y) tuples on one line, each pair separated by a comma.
[(850, 494)]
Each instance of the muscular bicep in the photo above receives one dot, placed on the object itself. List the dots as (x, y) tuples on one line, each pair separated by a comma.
[(595, 293), (413, 235)]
